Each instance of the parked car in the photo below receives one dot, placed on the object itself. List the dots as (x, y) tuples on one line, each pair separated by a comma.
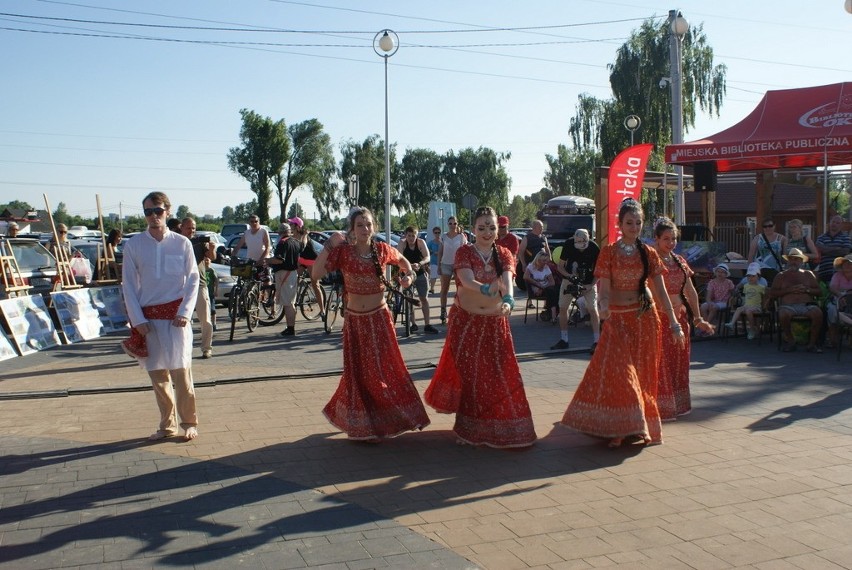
[(37, 265), (230, 230), (394, 241), (225, 284)]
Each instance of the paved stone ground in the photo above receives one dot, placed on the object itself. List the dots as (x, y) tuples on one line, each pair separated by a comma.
[(758, 476)]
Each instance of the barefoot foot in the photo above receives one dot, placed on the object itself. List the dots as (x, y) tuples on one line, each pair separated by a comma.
[(190, 434)]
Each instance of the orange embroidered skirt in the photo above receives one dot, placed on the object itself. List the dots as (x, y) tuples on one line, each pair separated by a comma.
[(479, 380), (617, 396), (376, 397), (673, 397)]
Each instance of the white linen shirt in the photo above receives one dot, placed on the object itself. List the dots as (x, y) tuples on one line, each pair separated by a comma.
[(156, 272)]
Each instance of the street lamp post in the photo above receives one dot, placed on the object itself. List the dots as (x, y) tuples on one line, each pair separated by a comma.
[(678, 26), (632, 124), (385, 44)]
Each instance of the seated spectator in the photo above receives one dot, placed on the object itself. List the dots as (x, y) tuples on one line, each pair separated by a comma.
[(718, 296), (797, 290), (542, 283), (841, 296)]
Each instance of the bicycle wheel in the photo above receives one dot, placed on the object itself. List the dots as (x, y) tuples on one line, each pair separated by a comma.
[(252, 309), (232, 300), (307, 302), (235, 309), (333, 308), (271, 312)]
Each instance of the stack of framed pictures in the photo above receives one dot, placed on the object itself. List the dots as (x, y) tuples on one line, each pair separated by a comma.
[(30, 325)]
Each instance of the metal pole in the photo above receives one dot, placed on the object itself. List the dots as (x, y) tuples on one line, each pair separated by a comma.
[(387, 162), (677, 111)]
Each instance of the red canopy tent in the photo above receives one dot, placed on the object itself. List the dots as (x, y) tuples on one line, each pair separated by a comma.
[(789, 128)]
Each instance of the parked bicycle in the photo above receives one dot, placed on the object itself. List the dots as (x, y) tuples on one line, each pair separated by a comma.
[(402, 307), (243, 303), (334, 303), (306, 298)]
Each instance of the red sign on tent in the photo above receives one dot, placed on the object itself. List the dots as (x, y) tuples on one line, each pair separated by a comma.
[(790, 128)]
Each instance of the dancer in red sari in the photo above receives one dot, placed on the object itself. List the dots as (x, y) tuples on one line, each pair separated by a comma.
[(376, 397), (478, 378), (673, 397), (617, 396)]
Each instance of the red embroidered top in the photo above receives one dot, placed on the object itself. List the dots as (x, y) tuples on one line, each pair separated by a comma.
[(625, 271), (360, 273), (674, 276), (468, 258)]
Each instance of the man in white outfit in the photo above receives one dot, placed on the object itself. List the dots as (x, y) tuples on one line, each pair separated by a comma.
[(160, 286)]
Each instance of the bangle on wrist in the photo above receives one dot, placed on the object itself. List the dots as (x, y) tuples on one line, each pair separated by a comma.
[(509, 300)]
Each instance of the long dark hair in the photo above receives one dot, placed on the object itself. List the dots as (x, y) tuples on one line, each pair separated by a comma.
[(631, 206), (489, 211), (662, 226)]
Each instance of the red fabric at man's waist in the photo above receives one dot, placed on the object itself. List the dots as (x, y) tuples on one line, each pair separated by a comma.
[(136, 346)]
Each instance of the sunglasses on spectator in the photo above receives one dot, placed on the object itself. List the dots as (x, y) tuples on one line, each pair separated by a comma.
[(768, 225), (154, 211), (254, 221), (437, 233), (452, 224)]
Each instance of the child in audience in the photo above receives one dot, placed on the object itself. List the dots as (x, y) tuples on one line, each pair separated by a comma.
[(719, 291), (753, 295)]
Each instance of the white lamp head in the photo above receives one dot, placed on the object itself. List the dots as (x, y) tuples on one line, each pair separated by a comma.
[(680, 26), (386, 43)]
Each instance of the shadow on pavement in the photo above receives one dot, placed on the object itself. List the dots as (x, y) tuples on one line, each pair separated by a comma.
[(183, 511)]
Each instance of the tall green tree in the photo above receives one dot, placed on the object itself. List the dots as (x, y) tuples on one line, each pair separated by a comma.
[(264, 149), (572, 171), (422, 181), (296, 210), (480, 172), (367, 160), (307, 162), (60, 214), (182, 212), (640, 63), (228, 215), (521, 212)]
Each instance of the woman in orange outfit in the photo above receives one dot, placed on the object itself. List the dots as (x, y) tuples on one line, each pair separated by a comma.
[(617, 397)]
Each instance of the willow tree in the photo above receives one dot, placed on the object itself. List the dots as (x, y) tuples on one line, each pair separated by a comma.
[(367, 161), (635, 78), (261, 156), (309, 162)]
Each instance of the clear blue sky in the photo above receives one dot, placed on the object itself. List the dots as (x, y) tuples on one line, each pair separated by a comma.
[(86, 115)]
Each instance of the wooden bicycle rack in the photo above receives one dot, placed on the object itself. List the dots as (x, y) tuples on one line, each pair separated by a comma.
[(13, 282)]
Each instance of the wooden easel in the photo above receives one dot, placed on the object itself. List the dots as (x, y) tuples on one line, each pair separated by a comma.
[(13, 282), (107, 267), (63, 260)]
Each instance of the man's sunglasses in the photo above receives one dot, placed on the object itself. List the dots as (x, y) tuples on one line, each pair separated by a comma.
[(154, 211)]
